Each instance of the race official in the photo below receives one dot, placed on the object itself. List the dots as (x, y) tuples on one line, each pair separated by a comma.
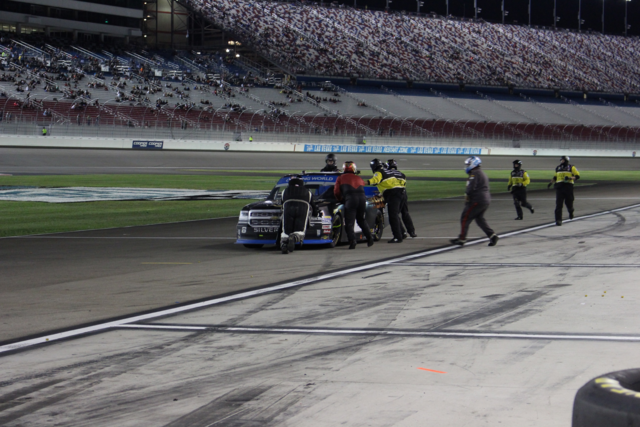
[(297, 204), (404, 209), (565, 177), (391, 185), (477, 202), (518, 182), (331, 163), (349, 189)]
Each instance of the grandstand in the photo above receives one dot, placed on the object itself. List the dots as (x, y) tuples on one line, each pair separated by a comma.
[(333, 72)]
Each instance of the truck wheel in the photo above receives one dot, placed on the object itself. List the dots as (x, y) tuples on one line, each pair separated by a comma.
[(336, 230), (378, 227)]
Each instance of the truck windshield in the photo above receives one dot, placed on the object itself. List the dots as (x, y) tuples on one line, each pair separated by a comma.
[(317, 190)]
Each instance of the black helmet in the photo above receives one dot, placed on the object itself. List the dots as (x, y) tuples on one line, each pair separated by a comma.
[(392, 164), (565, 158), (376, 164), (331, 157), (296, 181), (517, 164)]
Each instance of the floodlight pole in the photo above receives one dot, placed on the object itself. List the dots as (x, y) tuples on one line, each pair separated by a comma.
[(475, 9), (602, 16), (579, 16), (502, 12), (626, 27), (555, 17), (529, 13)]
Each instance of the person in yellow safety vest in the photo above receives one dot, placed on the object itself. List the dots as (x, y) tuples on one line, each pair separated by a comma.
[(564, 178), (250, 139), (391, 184), (44, 131), (518, 182)]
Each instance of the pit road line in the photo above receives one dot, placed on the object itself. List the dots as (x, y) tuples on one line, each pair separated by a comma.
[(425, 334)]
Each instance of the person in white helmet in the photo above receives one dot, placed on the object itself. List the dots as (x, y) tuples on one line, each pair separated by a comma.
[(477, 202)]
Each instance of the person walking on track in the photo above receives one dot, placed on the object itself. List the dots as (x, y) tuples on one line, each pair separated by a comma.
[(477, 202), (518, 182), (563, 180)]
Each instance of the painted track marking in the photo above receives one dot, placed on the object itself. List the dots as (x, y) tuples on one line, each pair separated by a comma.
[(388, 332)]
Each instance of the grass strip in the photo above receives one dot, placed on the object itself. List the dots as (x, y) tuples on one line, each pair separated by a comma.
[(195, 182), (24, 218)]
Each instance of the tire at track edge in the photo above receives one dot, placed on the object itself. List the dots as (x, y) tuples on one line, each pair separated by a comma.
[(610, 400)]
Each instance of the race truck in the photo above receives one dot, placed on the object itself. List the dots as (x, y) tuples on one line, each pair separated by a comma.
[(260, 223)]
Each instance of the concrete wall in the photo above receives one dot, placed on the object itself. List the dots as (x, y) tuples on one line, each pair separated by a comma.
[(213, 145)]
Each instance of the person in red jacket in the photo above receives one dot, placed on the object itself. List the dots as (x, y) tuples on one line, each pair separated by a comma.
[(349, 189)]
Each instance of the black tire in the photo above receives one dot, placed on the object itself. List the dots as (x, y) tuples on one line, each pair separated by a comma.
[(610, 400), (253, 245), (336, 230), (378, 226)]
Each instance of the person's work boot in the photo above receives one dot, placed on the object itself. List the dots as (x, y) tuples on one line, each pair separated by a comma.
[(284, 248), (570, 214), (291, 245), (518, 218), (370, 241), (558, 223), (531, 209), (493, 240), (459, 242), (413, 235), (405, 236), (352, 244), (394, 240)]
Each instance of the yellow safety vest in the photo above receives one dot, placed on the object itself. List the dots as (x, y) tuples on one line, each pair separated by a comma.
[(565, 174)]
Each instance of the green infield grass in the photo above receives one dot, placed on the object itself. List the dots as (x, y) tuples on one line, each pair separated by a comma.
[(24, 218)]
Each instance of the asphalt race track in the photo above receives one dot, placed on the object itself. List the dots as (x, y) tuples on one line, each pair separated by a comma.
[(320, 354), (29, 161)]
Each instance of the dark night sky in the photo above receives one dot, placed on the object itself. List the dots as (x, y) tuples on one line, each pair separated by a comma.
[(542, 12)]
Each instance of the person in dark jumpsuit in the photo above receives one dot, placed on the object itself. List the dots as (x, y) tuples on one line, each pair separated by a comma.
[(297, 204), (349, 189), (404, 208), (477, 202), (518, 181), (563, 180), (391, 184), (331, 163)]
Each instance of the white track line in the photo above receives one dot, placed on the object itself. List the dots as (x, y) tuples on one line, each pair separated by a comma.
[(510, 265), (248, 294), (427, 334), (436, 334)]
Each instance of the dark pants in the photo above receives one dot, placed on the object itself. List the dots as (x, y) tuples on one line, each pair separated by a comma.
[(564, 194), (520, 199), (355, 210), (395, 199), (474, 211), (406, 218), (294, 216)]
